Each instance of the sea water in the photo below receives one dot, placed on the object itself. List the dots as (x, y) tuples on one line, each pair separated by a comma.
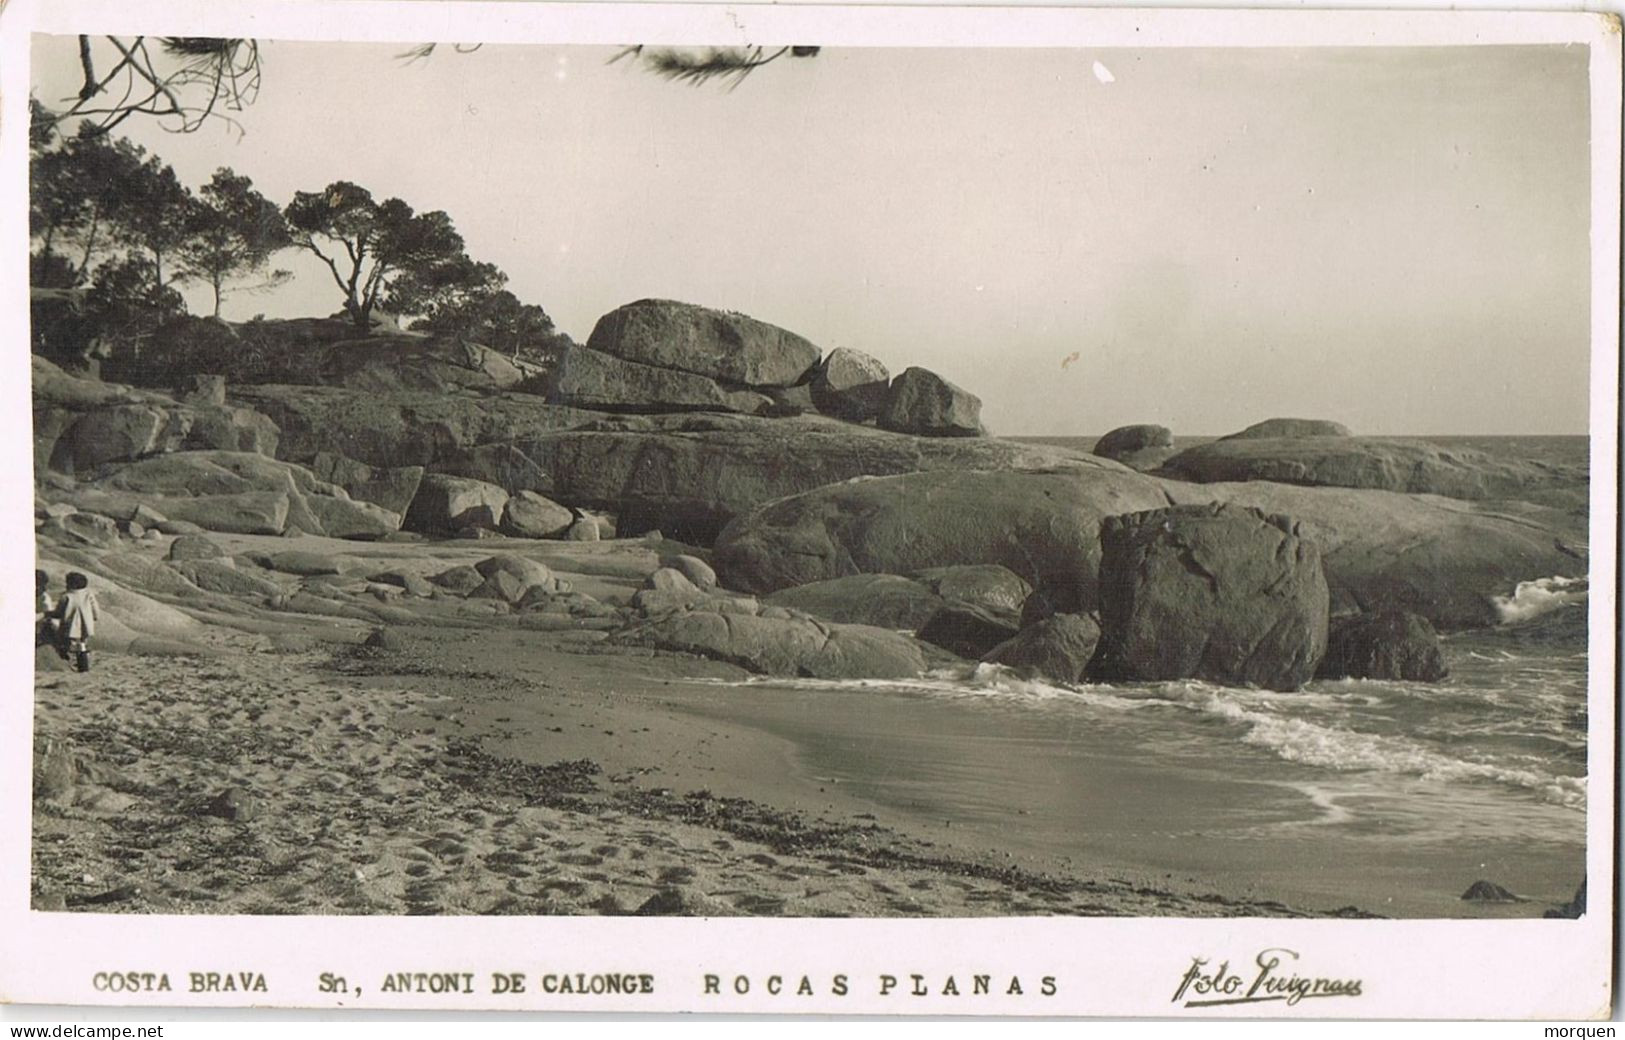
[(1410, 789)]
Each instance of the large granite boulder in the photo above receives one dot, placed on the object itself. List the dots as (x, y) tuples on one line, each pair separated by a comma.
[(392, 487), (923, 403), (588, 378), (1273, 428), (1393, 644), (446, 504), (1143, 446), (229, 428), (1444, 559), (688, 475), (1219, 593), (120, 432), (530, 515), (850, 385), (791, 645), (1041, 525), (721, 345), (1416, 467), (1058, 648)]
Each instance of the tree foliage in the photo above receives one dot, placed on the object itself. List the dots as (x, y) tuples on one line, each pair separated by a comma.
[(233, 231), (369, 246)]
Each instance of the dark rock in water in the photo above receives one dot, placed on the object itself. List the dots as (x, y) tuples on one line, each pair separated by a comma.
[(530, 515), (444, 504), (1414, 467), (1058, 648), (791, 645), (1447, 561), (193, 547), (235, 804), (386, 639), (721, 345), (988, 586), (967, 631), (1394, 644), (1291, 428), (882, 600), (587, 378), (1040, 525), (1125, 440), (923, 403), (850, 385), (1489, 892), (1219, 593), (461, 580), (1572, 910)]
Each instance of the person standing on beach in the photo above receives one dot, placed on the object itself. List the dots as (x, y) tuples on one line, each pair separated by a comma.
[(44, 611), (76, 621)]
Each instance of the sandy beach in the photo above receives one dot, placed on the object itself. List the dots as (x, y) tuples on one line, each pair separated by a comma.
[(530, 765)]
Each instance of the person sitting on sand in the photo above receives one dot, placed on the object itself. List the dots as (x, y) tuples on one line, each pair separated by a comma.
[(44, 611), (76, 621)]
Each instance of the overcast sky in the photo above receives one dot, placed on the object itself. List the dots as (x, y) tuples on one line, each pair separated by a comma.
[(1393, 238)]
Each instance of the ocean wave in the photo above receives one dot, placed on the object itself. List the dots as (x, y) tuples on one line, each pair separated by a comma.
[(1344, 750), (1531, 599)]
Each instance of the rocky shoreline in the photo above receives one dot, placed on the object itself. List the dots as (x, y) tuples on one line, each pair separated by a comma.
[(698, 483)]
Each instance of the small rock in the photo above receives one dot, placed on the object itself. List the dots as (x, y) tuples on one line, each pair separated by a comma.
[(386, 639), (694, 569), (462, 580), (1488, 892), (179, 527), (670, 579), (235, 804), (193, 547), (583, 530)]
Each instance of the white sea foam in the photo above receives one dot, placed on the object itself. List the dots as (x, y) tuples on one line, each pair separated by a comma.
[(1541, 596), (1344, 750)]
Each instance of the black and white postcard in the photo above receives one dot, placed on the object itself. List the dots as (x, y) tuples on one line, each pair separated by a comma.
[(794, 509)]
